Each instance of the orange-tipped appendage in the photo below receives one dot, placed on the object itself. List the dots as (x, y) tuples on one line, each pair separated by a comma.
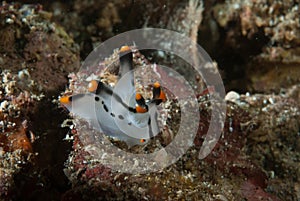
[(162, 95), (65, 100), (125, 48), (156, 85), (140, 109), (142, 140), (138, 96), (93, 86)]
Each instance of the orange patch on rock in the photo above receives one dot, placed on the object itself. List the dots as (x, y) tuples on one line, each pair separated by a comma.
[(19, 140)]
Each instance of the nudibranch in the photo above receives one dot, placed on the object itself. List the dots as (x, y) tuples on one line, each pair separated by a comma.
[(119, 112)]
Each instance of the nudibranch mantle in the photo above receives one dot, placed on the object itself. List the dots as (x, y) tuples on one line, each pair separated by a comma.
[(120, 111)]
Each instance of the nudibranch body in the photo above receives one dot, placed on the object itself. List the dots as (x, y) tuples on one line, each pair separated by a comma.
[(119, 112)]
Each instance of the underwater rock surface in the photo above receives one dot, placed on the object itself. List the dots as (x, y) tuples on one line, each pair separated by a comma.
[(35, 57)]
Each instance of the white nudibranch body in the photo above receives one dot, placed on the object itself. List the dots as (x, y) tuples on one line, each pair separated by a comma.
[(119, 112)]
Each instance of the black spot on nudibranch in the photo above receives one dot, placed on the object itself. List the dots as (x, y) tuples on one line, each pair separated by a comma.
[(105, 108), (129, 123), (121, 117), (97, 98), (112, 114)]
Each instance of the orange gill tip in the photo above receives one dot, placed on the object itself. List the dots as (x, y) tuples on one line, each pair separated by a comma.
[(156, 85), (138, 96), (142, 140), (162, 96), (93, 86), (140, 109), (125, 48), (65, 100)]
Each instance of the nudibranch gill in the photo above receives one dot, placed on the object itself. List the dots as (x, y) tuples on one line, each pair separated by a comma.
[(122, 113)]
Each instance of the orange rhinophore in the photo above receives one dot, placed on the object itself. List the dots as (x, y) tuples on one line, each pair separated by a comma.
[(93, 86), (125, 49), (65, 100)]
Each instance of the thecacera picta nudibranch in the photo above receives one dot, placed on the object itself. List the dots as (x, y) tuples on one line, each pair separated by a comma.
[(123, 114)]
